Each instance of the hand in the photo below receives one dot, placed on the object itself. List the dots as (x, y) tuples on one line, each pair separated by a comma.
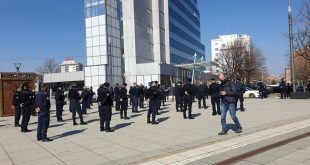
[(99, 104), (120, 99), (37, 110), (223, 93), (13, 107), (21, 105)]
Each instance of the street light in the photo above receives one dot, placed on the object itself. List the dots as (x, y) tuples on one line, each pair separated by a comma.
[(195, 56), (17, 66), (291, 44)]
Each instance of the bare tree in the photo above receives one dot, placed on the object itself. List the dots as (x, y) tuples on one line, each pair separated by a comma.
[(302, 32), (49, 66), (241, 60)]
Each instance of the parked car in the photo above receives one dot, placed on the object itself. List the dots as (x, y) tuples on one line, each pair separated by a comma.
[(251, 93)]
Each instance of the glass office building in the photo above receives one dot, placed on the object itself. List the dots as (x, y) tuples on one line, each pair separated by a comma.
[(184, 28), (103, 42)]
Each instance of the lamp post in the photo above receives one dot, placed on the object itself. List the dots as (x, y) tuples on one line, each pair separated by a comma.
[(291, 44), (17, 66), (193, 75)]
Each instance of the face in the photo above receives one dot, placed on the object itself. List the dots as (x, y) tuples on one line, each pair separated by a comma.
[(222, 77)]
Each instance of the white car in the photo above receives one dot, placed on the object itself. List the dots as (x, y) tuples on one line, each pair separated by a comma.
[(251, 93)]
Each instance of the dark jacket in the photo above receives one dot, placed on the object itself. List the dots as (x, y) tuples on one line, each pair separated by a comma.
[(230, 90), (123, 94), (178, 91), (26, 98), (42, 101), (104, 97), (134, 91), (74, 94), (16, 99), (153, 93), (59, 96), (189, 89), (214, 90), (240, 88)]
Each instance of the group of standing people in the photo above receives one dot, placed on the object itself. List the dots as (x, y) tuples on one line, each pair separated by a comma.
[(224, 96)]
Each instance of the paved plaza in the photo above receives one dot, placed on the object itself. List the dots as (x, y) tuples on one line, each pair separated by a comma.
[(173, 141)]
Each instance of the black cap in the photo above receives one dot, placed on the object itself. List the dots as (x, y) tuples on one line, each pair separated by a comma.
[(213, 79), (124, 84)]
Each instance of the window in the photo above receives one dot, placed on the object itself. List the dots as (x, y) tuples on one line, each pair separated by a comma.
[(216, 49), (150, 33), (150, 47)]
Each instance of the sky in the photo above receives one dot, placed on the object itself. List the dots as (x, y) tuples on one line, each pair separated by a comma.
[(33, 30)]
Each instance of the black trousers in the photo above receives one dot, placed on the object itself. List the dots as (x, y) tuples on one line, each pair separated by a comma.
[(59, 109), (179, 102), (105, 113), (117, 103), (203, 98), (216, 101), (241, 99), (134, 103), (43, 124), (18, 114), (141, 101), (75, 107), (26, 112), (188, 101), (152, 110), (124, 107)]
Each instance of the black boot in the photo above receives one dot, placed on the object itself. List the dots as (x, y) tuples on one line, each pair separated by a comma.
[(148, 120), (154, 121)]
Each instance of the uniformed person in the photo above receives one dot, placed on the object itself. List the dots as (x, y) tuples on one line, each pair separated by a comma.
[(153, 95), (105, 101), (188, 99), (85, 99), (90, 98), (16, 106), (75, 106), (43, 106), (116, 97), (142, 91), (240, 87), (214, 89), (60, 102), (134, 94), (124, 101), (179, 94), (201, 95), (26, 105)]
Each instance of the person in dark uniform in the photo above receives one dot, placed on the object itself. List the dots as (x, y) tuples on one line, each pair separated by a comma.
[(124, 101), (158, 99), (214, 89), (153, 95), (60, 102), (33, 94), (201, 95), (189, 92), (85, 99), (26, 105), (207, 91), (43, 106), (240, 87), (134, 94), (16, 106), (228, 94), (283, 89), (117, 98), (142, 91), (75, 106), (288, 90), (179, 94), (91, 96), (105, 101), (308, 87)]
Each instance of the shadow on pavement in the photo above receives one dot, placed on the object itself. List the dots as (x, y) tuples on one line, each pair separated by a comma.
[(93, 120), (163, 119), (57, 125), (135, 115), (69, 133), (196, 115), (123, 125)]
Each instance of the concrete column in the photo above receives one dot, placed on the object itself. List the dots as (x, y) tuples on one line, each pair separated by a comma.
[(156, 31)]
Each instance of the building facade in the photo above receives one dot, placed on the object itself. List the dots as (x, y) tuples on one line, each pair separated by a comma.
[(159, 33), (224, 42), (103, 42), (70, 65), (131, 40)]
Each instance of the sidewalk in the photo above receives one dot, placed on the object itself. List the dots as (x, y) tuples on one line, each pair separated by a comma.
[(133, 140)]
